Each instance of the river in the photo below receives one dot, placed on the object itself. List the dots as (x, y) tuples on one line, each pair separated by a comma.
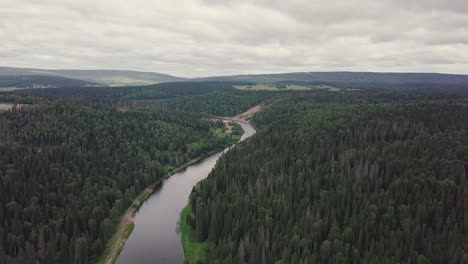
[(155, 238)]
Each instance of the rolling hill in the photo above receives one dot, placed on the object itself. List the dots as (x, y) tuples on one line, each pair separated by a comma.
[(99, 77), (31, 78), (41, 81), (343, 77)]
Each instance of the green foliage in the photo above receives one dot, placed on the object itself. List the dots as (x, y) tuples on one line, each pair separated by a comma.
[(351, 176), (217, 104), (194, 248), (212, 98), (297, 103), (40, 81), (340, 184), (69, 170)]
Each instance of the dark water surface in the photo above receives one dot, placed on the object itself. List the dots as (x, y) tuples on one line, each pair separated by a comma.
[(155, 238)]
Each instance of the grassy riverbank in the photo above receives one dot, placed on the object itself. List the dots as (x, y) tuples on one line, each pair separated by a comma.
[(194, 249), (122, 234), (124, 229), (126, 226)]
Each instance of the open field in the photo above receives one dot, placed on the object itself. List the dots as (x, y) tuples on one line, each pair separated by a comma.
[(8, 89), (270, 87), (287, 87), (4, 106), (8, 106)]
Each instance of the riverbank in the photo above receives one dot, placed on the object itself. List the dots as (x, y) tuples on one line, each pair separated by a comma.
[(194, 249), (125, 227), (116, 244)]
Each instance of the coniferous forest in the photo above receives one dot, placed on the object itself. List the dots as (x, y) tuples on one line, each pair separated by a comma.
[(351, 176), (68, 171), (234, 132), (366, 183)]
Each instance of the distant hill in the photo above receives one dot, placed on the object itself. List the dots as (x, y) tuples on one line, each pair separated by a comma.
[(41, 81), (347, 77), (99, 77), (78, 78)]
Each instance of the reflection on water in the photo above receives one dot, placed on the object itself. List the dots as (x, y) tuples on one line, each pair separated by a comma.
[(155, 238)]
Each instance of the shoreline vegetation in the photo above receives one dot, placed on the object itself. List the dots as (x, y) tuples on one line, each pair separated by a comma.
[(126, 225), (394, 161), (83, 163), (195, 249), (76, 160)]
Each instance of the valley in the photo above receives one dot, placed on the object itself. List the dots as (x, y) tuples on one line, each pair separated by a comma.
[(234, 132), (330, 158)]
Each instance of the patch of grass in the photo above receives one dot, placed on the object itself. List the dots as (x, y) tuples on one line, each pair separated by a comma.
[(128, 230), (236, 132), (257, 87), (145, 195), (327, 87), (271, 87), (194, 250), (197, 249), (285, 87), (123, 231), (122, 234), (7, 89), (219, 132), (126, 234), (230, 136), (297, 87)]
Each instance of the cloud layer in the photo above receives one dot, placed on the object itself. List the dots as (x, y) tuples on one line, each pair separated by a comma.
[(216, 37)]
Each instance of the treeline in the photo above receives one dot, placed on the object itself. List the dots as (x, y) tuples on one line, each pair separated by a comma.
[(211, 98), (69, 170), (340, 184), (297, 103), (221, 99), (218, 104)]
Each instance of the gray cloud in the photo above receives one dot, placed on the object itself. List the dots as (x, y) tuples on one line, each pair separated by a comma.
[(215, 37)]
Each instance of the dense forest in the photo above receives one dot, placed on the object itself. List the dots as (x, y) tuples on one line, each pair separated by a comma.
[(40, 81), (69, 169), (330, 182), (212, 98), (222, 99), (349, 176)]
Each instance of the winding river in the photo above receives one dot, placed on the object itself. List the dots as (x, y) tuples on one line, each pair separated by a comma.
[(155, 238)]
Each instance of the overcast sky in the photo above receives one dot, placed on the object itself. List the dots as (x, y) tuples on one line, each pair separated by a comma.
[(191, 38)]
